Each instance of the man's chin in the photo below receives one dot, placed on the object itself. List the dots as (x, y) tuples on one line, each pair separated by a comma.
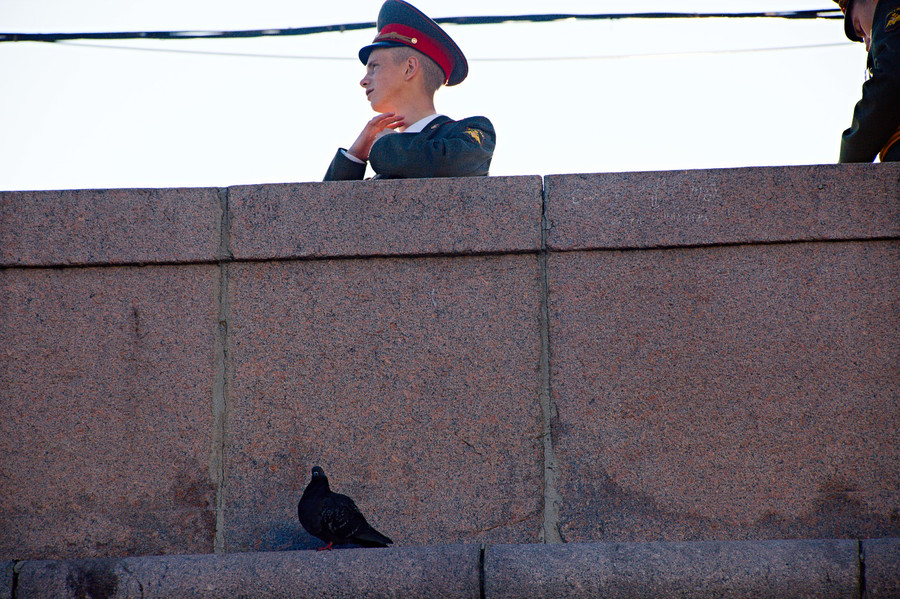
[(380, 107)]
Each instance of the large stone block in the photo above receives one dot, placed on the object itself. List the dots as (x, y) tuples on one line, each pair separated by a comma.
[(391, 217), (106, 380), (800, 569), (448, 571), (727, 393), (881, 562), (109, 226), (413, 383), (634, 210)]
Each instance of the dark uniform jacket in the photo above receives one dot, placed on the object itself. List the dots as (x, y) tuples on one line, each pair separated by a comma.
[(876, 117), (445, 148)]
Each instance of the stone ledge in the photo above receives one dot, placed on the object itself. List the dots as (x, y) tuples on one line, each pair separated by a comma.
[(798, 568), (723, 206), (450, 571), (109, 226), (814, 569), (450, 216), (394, 218), (6, 580)]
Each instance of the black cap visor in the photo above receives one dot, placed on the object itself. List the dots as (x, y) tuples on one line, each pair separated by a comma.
[(366, 50), (849, 29)]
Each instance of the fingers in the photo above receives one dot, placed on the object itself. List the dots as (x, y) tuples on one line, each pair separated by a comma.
[(387, 120), (379, 124)]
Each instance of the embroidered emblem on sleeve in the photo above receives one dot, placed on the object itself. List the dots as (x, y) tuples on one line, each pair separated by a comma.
[(893, 20), (475, 134)]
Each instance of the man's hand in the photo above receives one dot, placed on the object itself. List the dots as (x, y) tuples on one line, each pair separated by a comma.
[(379, 125)]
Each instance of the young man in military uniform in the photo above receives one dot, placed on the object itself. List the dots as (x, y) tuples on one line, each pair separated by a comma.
[(875, 130), (410, 58)]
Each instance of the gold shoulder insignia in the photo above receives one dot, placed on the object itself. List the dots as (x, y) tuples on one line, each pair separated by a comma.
[(893, 19), (475, 134)]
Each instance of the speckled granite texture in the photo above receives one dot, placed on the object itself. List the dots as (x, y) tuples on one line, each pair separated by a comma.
[(440, 572), (798, 569), (731, 392), (881, 562), (106, 427), (706, 355), (391, 217), (6, 580), (109, 226), (411, 382), (706, 207), (813, 569)]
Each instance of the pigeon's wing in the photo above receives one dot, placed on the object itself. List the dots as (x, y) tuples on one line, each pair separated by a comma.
[(340, 516), (369, 537)]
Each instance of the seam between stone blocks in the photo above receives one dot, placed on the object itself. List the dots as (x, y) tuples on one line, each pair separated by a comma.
[(550, 520), (482, 549), (17, 568), (218, 451), (220, 412)]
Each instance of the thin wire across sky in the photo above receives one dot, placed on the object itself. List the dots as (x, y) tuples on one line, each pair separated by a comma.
[(471, 59)]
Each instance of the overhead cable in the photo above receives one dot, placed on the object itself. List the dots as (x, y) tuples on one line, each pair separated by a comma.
[(476, 20), (473, 59)]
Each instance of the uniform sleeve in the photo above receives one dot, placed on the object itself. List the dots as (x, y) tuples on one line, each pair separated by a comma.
[(344, 169), (877, 115), (463, 149)]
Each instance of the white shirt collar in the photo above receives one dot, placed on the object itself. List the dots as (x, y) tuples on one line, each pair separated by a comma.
[(421, 124)]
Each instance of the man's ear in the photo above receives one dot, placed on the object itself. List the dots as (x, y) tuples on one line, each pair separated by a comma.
[(412, 67)]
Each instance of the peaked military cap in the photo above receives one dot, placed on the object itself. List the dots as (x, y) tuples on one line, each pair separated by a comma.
[(402, 24), (849, 29)]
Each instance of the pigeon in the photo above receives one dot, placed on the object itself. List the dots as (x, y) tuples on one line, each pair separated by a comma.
[(333, 517)]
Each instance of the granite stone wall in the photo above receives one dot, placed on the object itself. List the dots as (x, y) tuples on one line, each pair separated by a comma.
[(671, 356), (802, 569)]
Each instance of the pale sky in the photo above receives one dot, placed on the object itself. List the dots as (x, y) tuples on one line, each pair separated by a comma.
[(564, 97)]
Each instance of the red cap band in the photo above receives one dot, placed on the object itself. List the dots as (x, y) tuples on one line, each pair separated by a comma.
[(421, 42)]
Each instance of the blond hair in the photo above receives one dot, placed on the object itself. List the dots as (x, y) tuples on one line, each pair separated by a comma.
[(433, 76)]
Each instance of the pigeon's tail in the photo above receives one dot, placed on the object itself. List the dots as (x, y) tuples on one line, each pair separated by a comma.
[(372, 538)]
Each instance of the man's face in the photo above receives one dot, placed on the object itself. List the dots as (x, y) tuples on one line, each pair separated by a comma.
[(384, 80), (862, 15)]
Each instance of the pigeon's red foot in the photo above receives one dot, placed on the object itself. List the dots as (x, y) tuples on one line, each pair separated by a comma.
[(326, 547)]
